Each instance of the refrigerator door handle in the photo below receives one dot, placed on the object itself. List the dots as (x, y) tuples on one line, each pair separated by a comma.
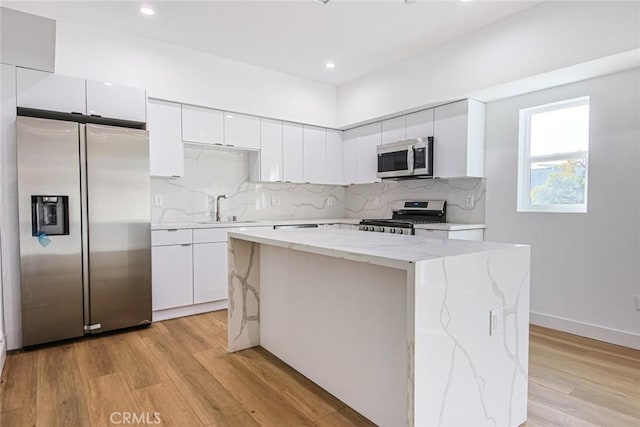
[(84, 224)]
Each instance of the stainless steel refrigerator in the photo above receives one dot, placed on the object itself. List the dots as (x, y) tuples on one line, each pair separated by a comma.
[(85, 239)]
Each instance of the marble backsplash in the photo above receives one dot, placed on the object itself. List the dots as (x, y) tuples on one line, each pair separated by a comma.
[(209, 173), (377, 200)]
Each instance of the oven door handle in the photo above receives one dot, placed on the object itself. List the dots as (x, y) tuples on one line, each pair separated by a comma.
[(410, 158)]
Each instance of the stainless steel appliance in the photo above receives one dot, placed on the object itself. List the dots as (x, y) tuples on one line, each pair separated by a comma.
[(412, 158), (411, 213), (85, 239)]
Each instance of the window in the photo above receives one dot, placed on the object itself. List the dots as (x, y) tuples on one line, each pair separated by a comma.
[(554, 157)]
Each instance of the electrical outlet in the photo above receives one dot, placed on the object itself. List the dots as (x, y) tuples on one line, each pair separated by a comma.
[(275, 201), (330, 201), (376, 202), (638, 302), (158, 200), (495, 321), (470, 201)]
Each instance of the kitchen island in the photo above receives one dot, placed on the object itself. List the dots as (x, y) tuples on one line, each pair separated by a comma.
[(406, 330)]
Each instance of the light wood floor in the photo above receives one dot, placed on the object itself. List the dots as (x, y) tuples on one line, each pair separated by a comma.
[(180, 369)]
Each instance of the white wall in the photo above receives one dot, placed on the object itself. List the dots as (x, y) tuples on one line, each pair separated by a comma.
[(27, 40), (548, 37), (585, 267), (9, 209), (173, 73)]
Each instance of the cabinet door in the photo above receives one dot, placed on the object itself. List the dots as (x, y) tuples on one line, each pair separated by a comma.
[(475, 234), (334, 170), (393, 130), (172, 276), (242, 131), (202, 125), (166, 150), (315, 154), (292, 152), (350, 157), (48, 91), (119, 102), (210, 276), (450, 140), (367, 155), (420, 124), (271, 151)]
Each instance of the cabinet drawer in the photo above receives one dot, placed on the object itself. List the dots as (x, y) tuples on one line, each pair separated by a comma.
[(170, 237), (210, 235), (437, 234)]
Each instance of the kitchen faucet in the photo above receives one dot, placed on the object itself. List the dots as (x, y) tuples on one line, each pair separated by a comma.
[(222, 196)]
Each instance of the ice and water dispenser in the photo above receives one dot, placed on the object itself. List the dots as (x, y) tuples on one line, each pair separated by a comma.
[(49, 215)]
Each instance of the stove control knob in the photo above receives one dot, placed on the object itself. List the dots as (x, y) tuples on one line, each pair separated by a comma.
[(392, 230), (369, 228), (401, 231)]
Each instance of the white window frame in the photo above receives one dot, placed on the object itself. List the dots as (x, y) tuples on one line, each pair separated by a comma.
[(525, 160)]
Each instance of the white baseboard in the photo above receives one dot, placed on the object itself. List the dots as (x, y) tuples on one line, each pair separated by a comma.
[(600, 333), (189, 310)]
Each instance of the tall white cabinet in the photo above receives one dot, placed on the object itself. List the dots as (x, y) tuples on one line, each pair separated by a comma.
[(459, 139), (292, 152), (335, 158), (166, 149), (314, 154), (360, 154), (271, 151)]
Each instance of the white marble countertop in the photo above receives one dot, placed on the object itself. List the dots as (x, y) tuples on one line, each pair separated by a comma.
[(389, 250), (259, 223), (448, 226)]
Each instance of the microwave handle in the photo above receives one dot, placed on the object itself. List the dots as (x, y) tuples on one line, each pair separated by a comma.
[(410, 158)]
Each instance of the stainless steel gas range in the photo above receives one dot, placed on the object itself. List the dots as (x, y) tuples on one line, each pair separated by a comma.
[(407, 216)]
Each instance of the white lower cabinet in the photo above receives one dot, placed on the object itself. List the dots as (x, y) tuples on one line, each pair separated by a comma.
[(190, 270), (210, 272), (475, 234), (172, 275)]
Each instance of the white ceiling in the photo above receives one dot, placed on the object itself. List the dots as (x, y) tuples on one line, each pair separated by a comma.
[(296, 36)]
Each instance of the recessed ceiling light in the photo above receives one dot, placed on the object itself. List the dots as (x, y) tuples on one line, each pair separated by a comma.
[(330, 65), (147, 11)]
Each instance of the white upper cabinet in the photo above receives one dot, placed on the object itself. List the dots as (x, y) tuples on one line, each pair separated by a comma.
[(166, 150), (334, 170), (369, 137), (117, 102), (53, 92), (420, 124), (292, 157), (393, 130), (350, 157), (315, 154), (271, 151), (242, 131), (459, 139), (202, 125)]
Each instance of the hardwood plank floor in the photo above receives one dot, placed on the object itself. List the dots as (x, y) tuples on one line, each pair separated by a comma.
[(180, 370)]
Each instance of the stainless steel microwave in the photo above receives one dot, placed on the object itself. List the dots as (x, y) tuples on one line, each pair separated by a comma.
[(405, 159)]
